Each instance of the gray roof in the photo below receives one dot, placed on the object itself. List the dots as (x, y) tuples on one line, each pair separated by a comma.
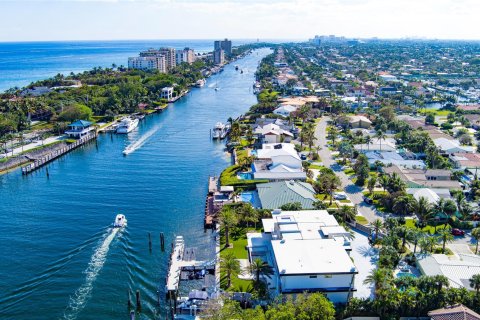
[(275, 194)]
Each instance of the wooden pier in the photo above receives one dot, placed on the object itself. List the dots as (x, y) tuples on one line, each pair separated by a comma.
[(38, 163)]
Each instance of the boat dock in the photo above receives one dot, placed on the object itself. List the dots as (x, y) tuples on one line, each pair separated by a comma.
[(40, 162), (183, 259)]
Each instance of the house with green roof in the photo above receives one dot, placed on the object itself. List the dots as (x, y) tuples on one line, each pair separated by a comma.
[(79, 128), (275, 194)]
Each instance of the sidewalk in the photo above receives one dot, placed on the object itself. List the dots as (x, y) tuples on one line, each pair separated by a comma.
[(33, 145)]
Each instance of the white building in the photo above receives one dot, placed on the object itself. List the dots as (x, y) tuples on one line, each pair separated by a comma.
[(309, 253), (272, 133), (448, 146), (167, 93), (148, 63), (186, 55), (285, 110), (280, 153)]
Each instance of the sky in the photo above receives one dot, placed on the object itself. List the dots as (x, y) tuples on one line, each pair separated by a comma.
[(44, 20)]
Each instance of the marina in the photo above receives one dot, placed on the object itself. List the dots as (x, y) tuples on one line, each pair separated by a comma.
[(157, 188)]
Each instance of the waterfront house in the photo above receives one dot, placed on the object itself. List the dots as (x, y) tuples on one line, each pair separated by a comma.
[(274, 195), (167, 93), (272, 133), (285, 110), (280, 153), (309, 252), (79, 129)]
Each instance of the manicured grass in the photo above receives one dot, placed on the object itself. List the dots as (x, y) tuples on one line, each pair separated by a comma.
[(315, 166), (344, 201), (361, 220), (349, 172), (410, 223)]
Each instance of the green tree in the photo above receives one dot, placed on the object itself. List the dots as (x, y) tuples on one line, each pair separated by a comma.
[(327, 182), (380, 135), (260, 268), (445, 236), (377, 225), (292, 206), (380, 278), (347, 213), (228, 220), (475, 283), (231, 266), (372, 181), (361, 168), (476, 236), (76, 112)]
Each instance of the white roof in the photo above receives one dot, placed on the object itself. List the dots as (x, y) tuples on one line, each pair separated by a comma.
[(272, 128), (268, 151), (359, 118), (311, 257), (285, 108), (451, 145), (427, 193)]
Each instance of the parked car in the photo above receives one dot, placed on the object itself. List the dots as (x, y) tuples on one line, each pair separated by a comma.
[(458, 232), (367, 200), (340, 196), (303, 156)]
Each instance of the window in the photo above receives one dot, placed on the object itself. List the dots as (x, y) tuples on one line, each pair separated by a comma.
[(313, 277)]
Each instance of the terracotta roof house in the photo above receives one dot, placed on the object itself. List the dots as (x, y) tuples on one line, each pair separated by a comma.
[(455, 312)]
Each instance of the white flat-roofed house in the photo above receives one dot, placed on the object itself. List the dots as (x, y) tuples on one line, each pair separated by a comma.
[(79, 129), (309, 251), (280, 153), (314, 266), (167, 93)]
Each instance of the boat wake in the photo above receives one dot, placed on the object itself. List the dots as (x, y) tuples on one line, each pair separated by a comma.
[(81, 296), (135, 145)]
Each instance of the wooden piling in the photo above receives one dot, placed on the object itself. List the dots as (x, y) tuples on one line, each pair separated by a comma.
[(139, 304), (150, 241), (162, 241), (48, 174)]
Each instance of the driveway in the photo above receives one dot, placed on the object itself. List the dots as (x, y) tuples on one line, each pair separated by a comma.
[(354, 192)]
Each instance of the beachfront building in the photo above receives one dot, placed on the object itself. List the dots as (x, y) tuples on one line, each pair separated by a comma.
[(186, 55), (79, 129), (219, 57), (148, 63), (225, 45), (309, 252), (168, 55)]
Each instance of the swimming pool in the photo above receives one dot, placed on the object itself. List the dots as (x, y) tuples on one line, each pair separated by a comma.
[(250, 197), (245, 176), (406, 274)]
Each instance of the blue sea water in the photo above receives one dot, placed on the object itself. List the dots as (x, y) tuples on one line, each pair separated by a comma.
[(60, 258), (24, 62)]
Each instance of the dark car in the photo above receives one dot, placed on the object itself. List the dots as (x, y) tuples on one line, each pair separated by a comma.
[(303, 156), (368, 200), (458, 232)]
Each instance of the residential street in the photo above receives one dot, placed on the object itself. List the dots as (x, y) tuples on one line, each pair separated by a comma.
[(354, 192)]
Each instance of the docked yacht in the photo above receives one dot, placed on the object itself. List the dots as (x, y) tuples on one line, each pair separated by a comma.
[(127, 125), (200, 83), (120, 221), (219, 131)]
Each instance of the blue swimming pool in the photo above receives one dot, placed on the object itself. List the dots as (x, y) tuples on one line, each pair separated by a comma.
[(250, 197), (406, 274), (245, 176)]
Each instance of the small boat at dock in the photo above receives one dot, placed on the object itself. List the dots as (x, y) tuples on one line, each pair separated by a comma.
[(220, 131), (200, 83), (120, 221)]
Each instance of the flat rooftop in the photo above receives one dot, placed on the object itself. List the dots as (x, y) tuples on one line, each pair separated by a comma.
[(311, 257)]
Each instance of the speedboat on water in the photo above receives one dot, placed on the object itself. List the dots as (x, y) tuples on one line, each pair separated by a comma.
[(120, 221), (127, 125)]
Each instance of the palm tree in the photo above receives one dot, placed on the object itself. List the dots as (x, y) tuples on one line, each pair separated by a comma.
[(384, 181), (380, 135), (423, 209), (476, 236), (259, 268), (416, 236), (380, 278), (403, 205), (347, 213), (228, 219), (475, 283), (231, 266), (445, 236), (368, 140), (377, 225)]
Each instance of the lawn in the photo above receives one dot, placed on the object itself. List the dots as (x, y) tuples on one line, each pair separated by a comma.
[(361, 220), (410, 223), (315, 166), (238, 241), (349, 172)]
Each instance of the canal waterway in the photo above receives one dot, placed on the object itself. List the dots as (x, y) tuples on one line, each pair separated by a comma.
[(59, 256)]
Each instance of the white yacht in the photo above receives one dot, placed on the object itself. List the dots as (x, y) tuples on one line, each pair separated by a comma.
[(120, 221), (219, 131), (127, 125), (200, 83)]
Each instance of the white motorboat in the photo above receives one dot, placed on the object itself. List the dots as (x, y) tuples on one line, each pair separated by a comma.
[(127, 125), (120, 221), (200, 83), (219, 131)]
